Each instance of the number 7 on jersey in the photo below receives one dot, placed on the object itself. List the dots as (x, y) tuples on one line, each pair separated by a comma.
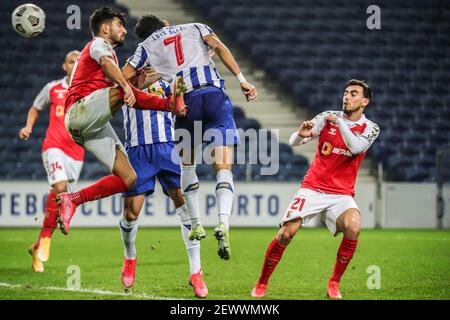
[(178, 48)]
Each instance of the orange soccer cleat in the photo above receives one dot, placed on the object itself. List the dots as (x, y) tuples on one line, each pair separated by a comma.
[(66, 211), (128, 272), (37, 264), (333, 290), (259, 290), (197, 282), (179, 89)]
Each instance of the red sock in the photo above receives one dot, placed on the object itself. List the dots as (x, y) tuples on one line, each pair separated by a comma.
[(147, 101), (104, 187), (271, 259), (344, 255), (50, 219)]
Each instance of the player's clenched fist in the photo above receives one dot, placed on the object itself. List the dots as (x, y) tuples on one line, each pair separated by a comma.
[(24, 133), (249, 91), (305, 130)]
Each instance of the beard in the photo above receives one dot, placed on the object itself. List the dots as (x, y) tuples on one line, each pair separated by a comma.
[(118, 41), (350, 112)]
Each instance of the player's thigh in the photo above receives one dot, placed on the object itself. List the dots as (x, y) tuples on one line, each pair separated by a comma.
[(55, 165), (73, 169), (223, 157), (305, 204), (132, 206), (145, 164), (219, 127), (86, 117), (169, 173), (342, 211), (104, 145)]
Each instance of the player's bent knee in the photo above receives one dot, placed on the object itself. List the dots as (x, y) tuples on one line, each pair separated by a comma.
[(129, 215), (285, 236), (351, 229)]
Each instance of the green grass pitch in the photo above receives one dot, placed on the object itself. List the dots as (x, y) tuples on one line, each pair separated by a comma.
[(413, 264)]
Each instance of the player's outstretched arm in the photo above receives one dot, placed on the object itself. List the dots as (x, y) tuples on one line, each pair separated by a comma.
[(227, 58), (33, 115), (112, 72)]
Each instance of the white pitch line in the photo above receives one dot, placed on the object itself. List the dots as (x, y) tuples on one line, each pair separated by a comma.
[(94, 291)]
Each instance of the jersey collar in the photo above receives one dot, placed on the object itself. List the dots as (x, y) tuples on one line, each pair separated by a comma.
[(360, 122)]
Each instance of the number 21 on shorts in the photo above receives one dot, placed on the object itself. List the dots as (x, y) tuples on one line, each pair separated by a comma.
[(297, 204)]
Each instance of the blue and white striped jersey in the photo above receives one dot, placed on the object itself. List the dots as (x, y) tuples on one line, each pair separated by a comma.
[(146, 126), (179, 50)]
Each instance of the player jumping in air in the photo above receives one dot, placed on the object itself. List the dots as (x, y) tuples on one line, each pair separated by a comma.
[(97, 90), (149, 141), (62, 157), (328, 187), (182, 50)]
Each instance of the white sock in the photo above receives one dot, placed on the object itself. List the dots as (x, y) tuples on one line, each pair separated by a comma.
[(190, 185), (128, 230), (224, 195), (192, 247)]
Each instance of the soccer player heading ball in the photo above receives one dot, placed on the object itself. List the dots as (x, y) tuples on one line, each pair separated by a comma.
[(328, 187), (183, 50), (97, 91)]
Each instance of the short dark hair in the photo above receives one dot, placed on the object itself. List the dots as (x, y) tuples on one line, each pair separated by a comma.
[(102, 15), (147, 25), (367, 91)]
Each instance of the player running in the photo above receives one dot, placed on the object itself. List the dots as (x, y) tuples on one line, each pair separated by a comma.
[(98, 89), (328, 187), (149, 141), (62, 157), (182, 50)]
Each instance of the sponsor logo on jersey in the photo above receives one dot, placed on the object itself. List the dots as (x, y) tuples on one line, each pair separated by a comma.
[(332, 131), (342, 152), (326, 148)]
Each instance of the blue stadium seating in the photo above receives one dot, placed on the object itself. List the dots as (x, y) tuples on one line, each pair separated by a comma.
[(313, 47)]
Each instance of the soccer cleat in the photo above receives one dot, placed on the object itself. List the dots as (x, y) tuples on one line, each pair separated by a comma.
[(128, 272), (259, 290), (333, 290), (197, 282), (197, 233), (221, 234), (43, 251), (66, 211), (179, 88), (37, 264)]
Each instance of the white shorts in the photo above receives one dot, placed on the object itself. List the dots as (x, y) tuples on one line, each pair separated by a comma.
[(87, 121), (308, 203), (60, 167)]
